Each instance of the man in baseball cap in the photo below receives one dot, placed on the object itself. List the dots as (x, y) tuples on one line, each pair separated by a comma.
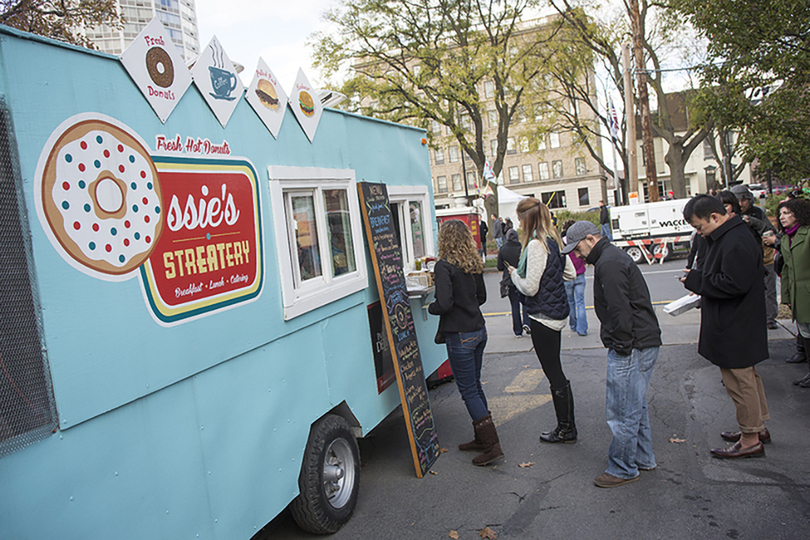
[(630, 331)]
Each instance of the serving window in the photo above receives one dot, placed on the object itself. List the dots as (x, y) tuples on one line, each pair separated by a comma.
[(409, 207), (318, 227)]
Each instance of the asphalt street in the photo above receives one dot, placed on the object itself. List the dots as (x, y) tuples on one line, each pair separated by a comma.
[(546, 491)]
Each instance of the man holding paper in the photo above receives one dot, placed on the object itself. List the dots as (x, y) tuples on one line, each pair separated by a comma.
[(733, 335)]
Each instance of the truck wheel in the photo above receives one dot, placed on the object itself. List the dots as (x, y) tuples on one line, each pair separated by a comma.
[(330, 477), (664, 250), (635, 254)]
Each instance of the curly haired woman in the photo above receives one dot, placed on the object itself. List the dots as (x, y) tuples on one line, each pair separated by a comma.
[(540, 277), (460, 291)]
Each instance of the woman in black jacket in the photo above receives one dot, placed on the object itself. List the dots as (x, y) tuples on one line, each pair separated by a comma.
[(509, 254), (460, 291)]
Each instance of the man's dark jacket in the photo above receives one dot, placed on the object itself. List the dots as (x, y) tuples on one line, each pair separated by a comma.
[(604, 215), (622, 301), (733, 333)]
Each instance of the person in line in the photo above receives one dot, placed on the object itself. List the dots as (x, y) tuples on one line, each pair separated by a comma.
[(497, 231), (604, 221), (507, 226), (459, 292), (630, 331), (575, 290), (748, 212), (539, 277), (794, 215), (733, 335), (483, 230), (509, 255)]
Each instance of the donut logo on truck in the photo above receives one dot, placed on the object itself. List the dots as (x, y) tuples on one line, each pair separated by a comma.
[(188, 226)]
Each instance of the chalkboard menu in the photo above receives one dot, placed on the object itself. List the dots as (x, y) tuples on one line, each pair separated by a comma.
[(386, 256)]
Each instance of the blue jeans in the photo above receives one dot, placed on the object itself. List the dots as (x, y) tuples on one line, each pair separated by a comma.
[(606, 232), (627, 380), (499, 243), (577, 319), (465, 350), (517, 321)]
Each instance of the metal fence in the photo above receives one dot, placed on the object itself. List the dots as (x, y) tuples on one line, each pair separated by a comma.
[(27, 409)]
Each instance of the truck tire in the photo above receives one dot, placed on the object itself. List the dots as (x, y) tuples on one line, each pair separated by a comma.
[(330, 477), (664, 250), (635, 253)]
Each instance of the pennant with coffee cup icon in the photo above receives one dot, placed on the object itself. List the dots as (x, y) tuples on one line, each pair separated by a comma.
[(156, 67), (305, 105), (267, 98), (217, 80)]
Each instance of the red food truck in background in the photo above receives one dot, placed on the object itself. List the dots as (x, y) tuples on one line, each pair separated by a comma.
[(468, 215)]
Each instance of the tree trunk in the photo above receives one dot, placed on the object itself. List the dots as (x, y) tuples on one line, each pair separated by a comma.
[(676, 162)]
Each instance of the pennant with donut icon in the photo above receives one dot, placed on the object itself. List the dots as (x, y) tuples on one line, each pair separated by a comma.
[(153, 62)]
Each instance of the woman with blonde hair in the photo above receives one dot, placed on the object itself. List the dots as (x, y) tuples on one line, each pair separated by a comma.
[(540, 277), (460, 291)]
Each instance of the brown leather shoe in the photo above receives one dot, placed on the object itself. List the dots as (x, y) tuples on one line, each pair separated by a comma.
[(736, 451), (734, 436), (606, 480)]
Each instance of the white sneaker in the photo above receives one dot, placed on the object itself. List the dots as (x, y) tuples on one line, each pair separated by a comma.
[(527, 329)]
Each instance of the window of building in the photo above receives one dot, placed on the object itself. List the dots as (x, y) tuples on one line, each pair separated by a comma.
[(492, 118), (527, 173), (466, 122), (554, 139), (524, 145), (471, 183), (514, 175), (579, 163), (456, 179), (493, 147), (489, 89), (543, 169), (541, 142), (435, 127), (510, 146), (453, 152), (318, 236), (708, 153), (439, 156), (557, 168), (553, 199), (441, 184), (584, 199), (411, 222)]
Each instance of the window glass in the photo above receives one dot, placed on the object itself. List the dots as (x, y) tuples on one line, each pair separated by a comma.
[(489, 89), (584, 199), (527, 173), (510, 146), (554, 139), (441, 181), (453, 154), (492, 116), (524, 145), (580, 166), (417, 232), (553, 199), (439, 153), (340, 231), (541, 142), (514, 175), (557, 168), (471, 183), (707, 149), (543, 168), (493, 146), (306, 237), (456, 178)]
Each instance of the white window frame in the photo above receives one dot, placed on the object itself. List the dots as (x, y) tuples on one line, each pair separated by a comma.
[(303, 297), (402, 195)]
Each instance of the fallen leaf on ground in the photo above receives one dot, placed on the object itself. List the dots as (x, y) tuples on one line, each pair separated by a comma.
[(453, 535), (675, 440), (488, 533), (434, 472), (442, 450), (527, 464)]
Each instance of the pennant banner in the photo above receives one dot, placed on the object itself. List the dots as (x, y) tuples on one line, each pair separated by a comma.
[(305, 105), (217, 81), (267, 98)]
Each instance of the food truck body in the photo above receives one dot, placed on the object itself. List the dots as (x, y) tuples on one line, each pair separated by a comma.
[(175, 386)]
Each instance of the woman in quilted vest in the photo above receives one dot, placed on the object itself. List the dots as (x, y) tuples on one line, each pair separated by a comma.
[(539, 277)]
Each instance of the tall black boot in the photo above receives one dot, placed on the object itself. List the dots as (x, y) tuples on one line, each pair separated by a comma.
[(566, 430), (799, 356)]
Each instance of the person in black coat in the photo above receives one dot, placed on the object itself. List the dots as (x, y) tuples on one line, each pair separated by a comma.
[(733, 335), (510, 254)]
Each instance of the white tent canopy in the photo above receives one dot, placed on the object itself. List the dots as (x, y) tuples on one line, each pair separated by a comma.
[(507, 204)]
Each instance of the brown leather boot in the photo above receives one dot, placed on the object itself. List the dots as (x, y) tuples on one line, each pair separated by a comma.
[(485, 432), (475, 445)]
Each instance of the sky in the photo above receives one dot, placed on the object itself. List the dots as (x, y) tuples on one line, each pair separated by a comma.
[(276, 30)]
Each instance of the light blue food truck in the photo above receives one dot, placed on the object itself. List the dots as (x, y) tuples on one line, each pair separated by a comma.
[(190, 331)]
